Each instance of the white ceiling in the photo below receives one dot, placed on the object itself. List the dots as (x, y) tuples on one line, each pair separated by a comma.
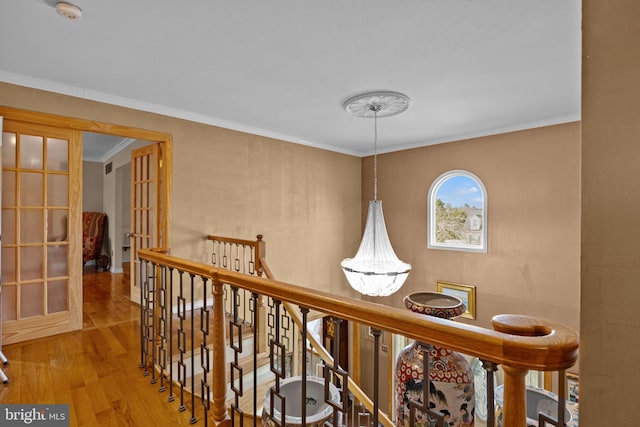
[(97, 147), (284, 68)]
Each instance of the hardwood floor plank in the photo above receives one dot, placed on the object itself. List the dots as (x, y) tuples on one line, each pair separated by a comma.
[(94, 370), (81, 401), (99, 400)]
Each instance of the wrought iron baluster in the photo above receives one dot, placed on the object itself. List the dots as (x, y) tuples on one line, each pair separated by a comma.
[(143, 360), (236, 371), (171, 397), (224, 255), (152, 315), (147, 314), (271, 320), (294, 343), (252, 261), (341, 377), (305, 313), (376, 372), (182, 338), (205, 359), (277, 350), (214, 254), (235, 305), (363, 416), (490, 369), (226, 299), (559, 420), (236, 259), (253, 304), (193, 354), (286, 325), (245, 305), (162, 327), (256, 325)]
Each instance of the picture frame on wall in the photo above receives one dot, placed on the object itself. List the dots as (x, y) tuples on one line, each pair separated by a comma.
[(466, 293), (573, 388)]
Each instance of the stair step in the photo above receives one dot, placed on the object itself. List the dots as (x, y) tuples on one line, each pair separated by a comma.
[(265, 380), (246, 400)]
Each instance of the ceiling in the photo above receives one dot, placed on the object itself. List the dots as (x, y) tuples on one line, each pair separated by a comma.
[(284, 68), (97, 147)]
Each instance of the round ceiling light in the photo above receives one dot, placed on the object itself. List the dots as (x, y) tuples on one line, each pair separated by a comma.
[(385, 104), (68, 10)]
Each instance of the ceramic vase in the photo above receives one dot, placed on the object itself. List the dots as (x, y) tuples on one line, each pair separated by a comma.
[(537, 401), (450, 388), (318, 411)]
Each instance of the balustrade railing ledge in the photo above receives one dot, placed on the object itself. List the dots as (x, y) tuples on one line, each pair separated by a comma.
[(521, 342)]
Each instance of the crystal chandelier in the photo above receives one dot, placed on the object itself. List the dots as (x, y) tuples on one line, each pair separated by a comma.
[(376, 270)]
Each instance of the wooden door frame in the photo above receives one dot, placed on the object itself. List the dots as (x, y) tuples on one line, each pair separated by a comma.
[(83, 125)]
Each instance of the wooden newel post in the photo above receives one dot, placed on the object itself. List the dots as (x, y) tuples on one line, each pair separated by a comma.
[(514, 405), (218, 373), (514, 408)]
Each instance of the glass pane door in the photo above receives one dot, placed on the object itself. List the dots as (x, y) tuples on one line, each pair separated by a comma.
[(36, 244), (145, 200)]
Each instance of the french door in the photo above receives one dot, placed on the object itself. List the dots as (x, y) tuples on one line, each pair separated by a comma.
[(147, 207), (41, 258), (42, 261)]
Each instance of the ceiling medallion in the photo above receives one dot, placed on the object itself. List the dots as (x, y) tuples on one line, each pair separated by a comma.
[(382, 104)]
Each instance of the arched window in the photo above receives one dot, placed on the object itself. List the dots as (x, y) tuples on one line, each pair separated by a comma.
[(457, 212)]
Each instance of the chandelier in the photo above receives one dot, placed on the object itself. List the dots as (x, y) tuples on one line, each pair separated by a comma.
[(376, 270)]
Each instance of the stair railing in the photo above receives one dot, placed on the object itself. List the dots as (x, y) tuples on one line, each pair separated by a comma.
[(324, 354), (518, 343), (248, 257)]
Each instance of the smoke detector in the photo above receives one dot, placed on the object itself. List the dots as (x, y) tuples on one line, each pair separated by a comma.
[(68, 10)]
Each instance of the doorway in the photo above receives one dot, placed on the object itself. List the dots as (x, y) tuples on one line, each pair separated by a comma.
[(73, 298)]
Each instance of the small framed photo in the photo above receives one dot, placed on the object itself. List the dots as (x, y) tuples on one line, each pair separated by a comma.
[(573, 388), (467, 293)]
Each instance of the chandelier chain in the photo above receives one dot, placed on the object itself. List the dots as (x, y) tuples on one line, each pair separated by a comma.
[(375, 107)]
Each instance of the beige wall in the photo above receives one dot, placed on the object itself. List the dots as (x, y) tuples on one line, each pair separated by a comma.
[(305, 201), (532, 265), (610, 380), (532, 180), (92, 186)]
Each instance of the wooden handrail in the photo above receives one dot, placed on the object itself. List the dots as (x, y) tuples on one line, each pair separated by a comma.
[(519, 343), (558, 349), (251, 243)]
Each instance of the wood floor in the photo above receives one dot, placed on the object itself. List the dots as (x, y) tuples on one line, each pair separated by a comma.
[(94, 370)]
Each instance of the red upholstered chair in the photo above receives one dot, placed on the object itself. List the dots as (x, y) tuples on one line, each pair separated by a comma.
[(92, 232)]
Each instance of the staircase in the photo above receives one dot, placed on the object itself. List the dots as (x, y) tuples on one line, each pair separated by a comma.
[(265, 378), (277, 313)]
